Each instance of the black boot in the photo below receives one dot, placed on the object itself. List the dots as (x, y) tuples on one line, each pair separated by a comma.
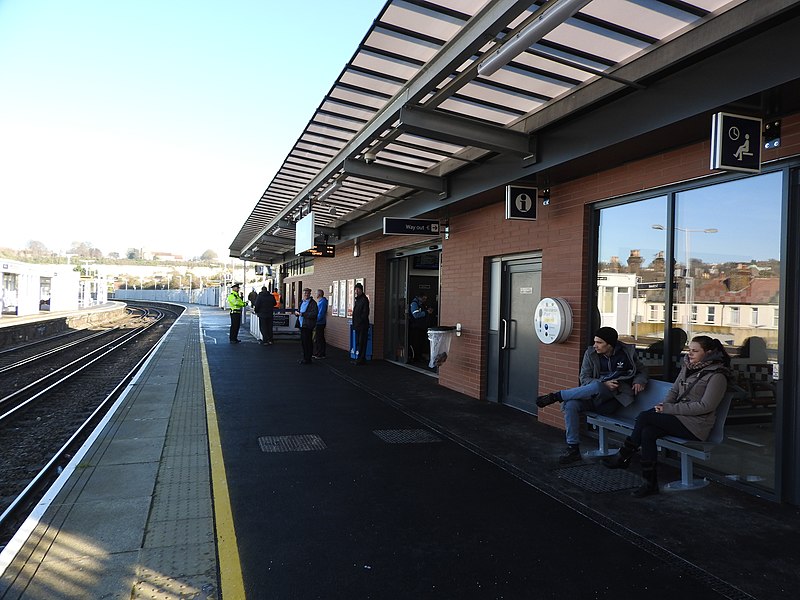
[(650, 485), (622, 459), (548, 399)]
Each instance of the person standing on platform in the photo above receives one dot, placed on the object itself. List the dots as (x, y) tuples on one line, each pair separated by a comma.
[(320, 347), (251, 297), (361, 324), (236, 303), (263, 307), (419, 313), (308, 320)]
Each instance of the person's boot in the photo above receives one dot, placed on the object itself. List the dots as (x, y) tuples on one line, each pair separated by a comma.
[(570, 455), (548, 399), (650, 485), (622, 459)]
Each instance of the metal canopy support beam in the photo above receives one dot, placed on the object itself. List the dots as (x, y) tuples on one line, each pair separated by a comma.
[(465, 132), (395, 176)]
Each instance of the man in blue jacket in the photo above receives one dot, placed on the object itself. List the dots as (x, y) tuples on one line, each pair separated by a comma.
[(611, 374)]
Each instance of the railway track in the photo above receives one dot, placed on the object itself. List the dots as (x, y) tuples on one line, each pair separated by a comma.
[(53, 395)]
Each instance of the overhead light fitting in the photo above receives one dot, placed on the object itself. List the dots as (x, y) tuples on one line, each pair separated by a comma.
[(549, 19), (329, 190)]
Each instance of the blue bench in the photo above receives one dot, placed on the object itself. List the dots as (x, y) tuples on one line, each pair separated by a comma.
[(623, 419)]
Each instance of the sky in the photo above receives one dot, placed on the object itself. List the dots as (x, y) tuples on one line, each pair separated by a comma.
[(157, 124)]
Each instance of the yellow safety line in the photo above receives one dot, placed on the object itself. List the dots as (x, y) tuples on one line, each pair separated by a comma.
[(230, 569)]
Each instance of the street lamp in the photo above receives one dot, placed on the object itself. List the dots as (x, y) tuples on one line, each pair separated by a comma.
[(688, 277)]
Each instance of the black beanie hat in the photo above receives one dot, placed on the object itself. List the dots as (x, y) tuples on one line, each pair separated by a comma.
[(608, 335)]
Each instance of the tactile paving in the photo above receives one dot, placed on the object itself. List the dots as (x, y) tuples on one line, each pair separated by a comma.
[(406, 436), (290, 443), (597, 478)]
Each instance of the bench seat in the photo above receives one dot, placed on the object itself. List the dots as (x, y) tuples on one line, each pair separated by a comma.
[(622, 422)]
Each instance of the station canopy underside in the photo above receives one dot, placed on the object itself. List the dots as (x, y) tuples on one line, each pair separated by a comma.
[(438, 89)]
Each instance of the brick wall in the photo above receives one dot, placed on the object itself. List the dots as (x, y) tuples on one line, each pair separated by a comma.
[(560, 234)]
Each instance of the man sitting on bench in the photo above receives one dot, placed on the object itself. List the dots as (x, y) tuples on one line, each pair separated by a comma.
[(611, 374)]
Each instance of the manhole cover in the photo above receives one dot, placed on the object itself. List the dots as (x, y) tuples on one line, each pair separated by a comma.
[(290, 443), (406, 436), (597, 478)]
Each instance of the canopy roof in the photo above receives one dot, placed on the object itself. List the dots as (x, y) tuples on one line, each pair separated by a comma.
[(419, 106)]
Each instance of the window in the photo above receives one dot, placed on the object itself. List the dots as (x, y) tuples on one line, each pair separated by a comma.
[(754, 316), (734, 315), (694, 313), (711, 313)]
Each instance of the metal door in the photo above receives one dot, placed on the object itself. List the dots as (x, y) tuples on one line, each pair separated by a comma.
[(514, 349)]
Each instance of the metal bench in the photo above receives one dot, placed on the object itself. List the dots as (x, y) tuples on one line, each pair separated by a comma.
[(622, 422)]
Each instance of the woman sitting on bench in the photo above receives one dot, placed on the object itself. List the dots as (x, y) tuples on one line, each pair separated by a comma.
[(688, 410)]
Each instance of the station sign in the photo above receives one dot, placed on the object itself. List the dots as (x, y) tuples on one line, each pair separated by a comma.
[(736, 143), (320, 250), (521, 202), (655, 285), (395, 226)]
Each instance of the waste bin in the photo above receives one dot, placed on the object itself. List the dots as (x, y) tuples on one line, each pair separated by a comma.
[(440, 338), (354, 350)]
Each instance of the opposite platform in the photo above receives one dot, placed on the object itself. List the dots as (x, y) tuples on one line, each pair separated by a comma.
[(133, 517)]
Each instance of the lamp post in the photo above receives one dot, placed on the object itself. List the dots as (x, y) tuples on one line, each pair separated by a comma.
[(688, 277)]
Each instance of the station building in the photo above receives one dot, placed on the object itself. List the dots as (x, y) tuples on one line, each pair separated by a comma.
[(631, 164)]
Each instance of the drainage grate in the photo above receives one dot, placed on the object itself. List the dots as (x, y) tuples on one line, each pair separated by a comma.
[(597, 478), (290, 443), (406, 436)]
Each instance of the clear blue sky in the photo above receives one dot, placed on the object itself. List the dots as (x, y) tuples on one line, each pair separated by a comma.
[(113, 111)]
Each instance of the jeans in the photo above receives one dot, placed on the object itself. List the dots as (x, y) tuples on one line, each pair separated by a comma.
[(650, 426), (594, 397)]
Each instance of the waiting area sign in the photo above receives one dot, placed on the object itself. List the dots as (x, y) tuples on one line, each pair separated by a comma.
[(736, 143)]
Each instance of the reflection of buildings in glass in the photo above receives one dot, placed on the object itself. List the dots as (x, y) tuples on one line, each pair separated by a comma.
[(731, 301)]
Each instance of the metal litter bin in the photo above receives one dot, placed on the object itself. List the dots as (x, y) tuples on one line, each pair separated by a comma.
[(440, 338)]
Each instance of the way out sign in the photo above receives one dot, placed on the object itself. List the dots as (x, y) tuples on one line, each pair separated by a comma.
[(521, 202), (736, 143)]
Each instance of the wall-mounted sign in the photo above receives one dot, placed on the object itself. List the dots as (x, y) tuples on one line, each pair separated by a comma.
[(324, 250), (552, 320), (395, 226), (521, 202), (736, 143)]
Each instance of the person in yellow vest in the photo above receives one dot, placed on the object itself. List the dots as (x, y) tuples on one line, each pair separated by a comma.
[(236, 303)]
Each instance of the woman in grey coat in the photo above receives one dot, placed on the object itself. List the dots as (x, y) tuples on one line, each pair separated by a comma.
[(688, 410)]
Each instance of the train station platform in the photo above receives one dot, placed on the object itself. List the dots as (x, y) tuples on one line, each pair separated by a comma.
[(231, 471)]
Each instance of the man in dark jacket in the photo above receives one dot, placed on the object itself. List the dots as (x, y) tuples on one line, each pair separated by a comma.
[(263, 307), (361, 324), (611, 373), (308, 320)]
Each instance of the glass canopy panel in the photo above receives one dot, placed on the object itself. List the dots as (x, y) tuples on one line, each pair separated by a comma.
[(533, 83), (478, 111), (378, 63), (347, 111), (542, 63), (371, 82), (423, 20), (596, 41), (362, 99), (397, 43), (433, 145), (518, 101), (650, 17)]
